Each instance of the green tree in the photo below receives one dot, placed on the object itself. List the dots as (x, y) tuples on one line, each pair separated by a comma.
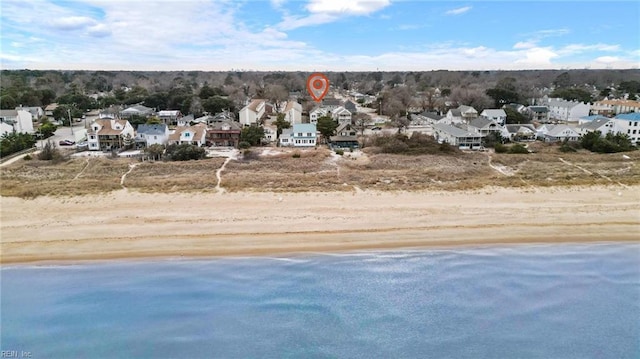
[(13, 142), (252, 134), (503, 97), (281, 124), (185, 152), (573, 94), (217, 104), (327, 126), (514, 116), (8, 102)]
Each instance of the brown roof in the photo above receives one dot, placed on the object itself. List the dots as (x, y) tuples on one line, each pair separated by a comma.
[(198, 130), (254, 104), (107, 130)]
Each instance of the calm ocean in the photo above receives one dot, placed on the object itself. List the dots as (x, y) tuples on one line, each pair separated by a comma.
[(528, 301)]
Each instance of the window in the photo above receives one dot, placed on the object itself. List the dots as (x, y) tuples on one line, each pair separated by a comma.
[(155, 137), (308, 134), (187, 134), (635, 123), (634, 132)]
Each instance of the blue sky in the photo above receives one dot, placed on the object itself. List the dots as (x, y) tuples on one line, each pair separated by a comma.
[(318, 35)]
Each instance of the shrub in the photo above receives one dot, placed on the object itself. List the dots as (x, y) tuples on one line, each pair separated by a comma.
[(500, 148), (296, 155), (27, 158), (340, 152), (243, 145), (50, 153), (185, 152), (567, 148), (518, 148)]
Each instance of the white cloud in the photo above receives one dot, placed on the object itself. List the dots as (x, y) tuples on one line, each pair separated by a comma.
[(524, 45), (342, 7), (458, 11), (537, 56), (72, 22), (579, 48)]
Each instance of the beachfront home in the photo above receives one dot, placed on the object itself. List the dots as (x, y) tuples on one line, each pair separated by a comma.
[(193, 135), (567, 111), (169, 117), (484, 126), (256, 111), (521, 132), (602, 124), (299, 135), (110, 135), (152, 134), (555, 133), (456, 136), (224, 134)]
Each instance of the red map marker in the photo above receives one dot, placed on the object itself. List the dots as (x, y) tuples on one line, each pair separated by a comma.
[(318, 86)]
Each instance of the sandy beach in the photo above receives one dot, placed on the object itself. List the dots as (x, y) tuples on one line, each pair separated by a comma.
[(125, 224)]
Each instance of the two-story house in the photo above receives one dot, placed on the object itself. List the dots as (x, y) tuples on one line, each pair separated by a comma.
[(299, 135), (293, 112), (109, 134), (153, 134), (341, 115), (224, 134), (15, 121), (192, 135), (256, 111), (169, 117), (497, 115)]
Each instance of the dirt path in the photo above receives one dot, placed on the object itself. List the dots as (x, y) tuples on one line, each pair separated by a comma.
[(219, 175), (83, 169), (591, 173), (124, 176)]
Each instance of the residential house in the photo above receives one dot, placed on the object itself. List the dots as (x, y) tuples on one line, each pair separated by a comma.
[(485, 126), (224, 134), (521, 132), (152, 134), (137, 110), (36, 112), (110, 135), (316, 113), (331, 103), (418, 120), (351, 106), (16, 121), (187, 120), (270, 133), (193, 135), (48, 110), (219, 117), (497, 115), (293, 112), (346, 129), (555, 133), (628, 123), (254, 112), (567, 111), (299, 135), (539, 114), (456, 136), (612, 107), (602, 124), (454, 116), (431, 117), (468, 113), (341, 115), (345, 137), (170, 117)]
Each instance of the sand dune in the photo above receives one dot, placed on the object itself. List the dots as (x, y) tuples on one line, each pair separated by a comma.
[(135, 225)]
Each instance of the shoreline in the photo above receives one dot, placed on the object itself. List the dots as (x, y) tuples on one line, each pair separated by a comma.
[(124, 225)]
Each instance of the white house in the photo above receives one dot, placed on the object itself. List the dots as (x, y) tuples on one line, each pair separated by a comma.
[(270, 133), (36, 112), (568, 111), (616, 106), (341, 115), (468, 113), (602, 124), (455, 136), (316, 113), (484, 126), (193, 135), (16, 121), (155, 134), (169, 117), (293, 112), (109, 134), (628, 123), (253, 112), (299, 135), (497, 115), (521, 132), (555, 133), (539, 113)]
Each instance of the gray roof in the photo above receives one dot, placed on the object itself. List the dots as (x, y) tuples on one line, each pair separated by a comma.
[(431, 115), (233, 126), (454, 131), (187, 118), (455, 112), (515, 128), (343, 139), (481, 122), (8, 113), (331, 102), (349, 105), (555, 131), (595, 124), (154, 129), (495, 112), (138, 108)]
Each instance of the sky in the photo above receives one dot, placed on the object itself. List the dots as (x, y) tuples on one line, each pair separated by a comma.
[(318, 35)]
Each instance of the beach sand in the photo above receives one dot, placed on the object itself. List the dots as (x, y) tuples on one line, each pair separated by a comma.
[(125, 224)]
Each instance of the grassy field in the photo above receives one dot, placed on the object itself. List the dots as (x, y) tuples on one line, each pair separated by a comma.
[(288, 170)]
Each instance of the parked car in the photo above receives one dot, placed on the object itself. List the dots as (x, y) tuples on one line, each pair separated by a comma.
[(66, 143)]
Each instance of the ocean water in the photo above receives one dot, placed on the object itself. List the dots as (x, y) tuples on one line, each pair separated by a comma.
[(528, 301)]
